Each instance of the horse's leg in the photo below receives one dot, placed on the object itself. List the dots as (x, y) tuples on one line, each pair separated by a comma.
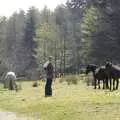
[(104, 83), (110, 84), (114, 84), (117, 80), (99, 83), (95, 83)]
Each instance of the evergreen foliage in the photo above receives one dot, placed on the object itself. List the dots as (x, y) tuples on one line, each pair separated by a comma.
[(83, 31)]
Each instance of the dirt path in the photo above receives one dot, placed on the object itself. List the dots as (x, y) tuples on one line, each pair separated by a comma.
[(12, 116)]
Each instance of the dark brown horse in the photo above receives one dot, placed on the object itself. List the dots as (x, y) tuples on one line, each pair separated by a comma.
[(99, 73), (113, 72)]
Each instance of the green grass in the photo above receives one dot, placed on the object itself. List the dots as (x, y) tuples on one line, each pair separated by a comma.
[(69, 102)]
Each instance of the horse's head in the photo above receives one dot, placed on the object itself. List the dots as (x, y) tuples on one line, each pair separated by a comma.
[(108, 64), (91, 68)]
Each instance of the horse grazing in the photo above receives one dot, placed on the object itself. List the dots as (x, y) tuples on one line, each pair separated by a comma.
[(99, 73), (10, 81), (113, 72)]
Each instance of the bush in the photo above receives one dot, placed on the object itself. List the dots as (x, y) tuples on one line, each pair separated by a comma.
[(62, 79), (35, 84), (72, 79)]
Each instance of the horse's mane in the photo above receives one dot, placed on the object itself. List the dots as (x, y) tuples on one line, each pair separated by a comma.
[(100, 68)]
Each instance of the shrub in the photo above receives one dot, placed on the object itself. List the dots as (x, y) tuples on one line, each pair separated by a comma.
[(62, 79), (72, 79), (35, 84)]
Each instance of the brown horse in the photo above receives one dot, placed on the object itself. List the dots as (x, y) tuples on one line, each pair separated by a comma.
[(99, 73), (113, 72)]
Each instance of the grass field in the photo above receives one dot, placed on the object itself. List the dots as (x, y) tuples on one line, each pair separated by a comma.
[(69, 102)]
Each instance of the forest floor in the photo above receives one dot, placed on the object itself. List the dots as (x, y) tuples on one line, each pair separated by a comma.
[(69, 102)]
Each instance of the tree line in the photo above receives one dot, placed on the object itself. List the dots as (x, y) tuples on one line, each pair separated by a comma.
[(75, 34)]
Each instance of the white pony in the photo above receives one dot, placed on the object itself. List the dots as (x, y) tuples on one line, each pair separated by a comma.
[(10, 81)]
